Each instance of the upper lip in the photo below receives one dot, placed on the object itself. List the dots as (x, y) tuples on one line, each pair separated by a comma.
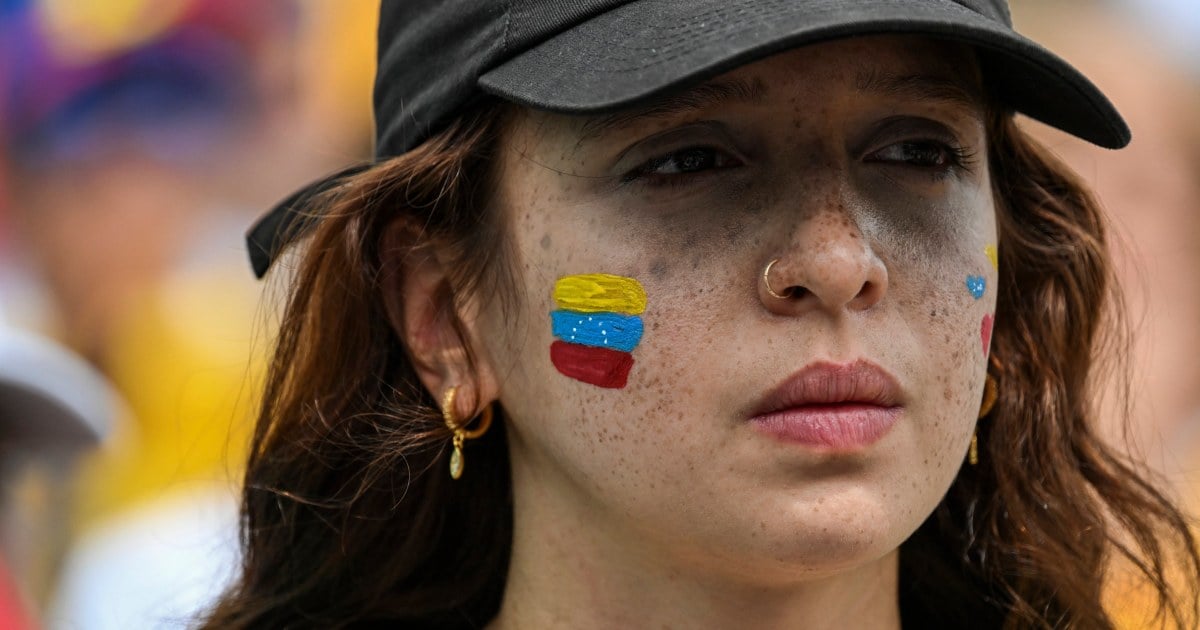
[(824, 383)]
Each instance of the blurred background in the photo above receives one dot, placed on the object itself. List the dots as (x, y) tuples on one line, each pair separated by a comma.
[(138, 141)]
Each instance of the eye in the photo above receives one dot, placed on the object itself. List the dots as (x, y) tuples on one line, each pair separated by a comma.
[(680, 163), (927, 154)]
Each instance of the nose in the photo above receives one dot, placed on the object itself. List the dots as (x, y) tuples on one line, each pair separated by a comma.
[(829, 265)]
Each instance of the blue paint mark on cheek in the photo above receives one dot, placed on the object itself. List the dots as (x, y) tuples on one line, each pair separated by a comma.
[(600, 330), (977, 285)]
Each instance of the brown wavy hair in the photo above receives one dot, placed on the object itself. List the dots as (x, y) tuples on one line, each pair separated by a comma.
[(349, 517)]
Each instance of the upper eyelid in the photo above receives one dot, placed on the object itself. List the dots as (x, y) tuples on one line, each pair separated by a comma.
[(906, 128), (699, 134), (918, 140)]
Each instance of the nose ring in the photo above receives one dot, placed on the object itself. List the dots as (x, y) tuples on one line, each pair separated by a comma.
[(767, 283)]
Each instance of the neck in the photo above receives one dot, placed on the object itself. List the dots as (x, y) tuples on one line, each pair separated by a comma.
[(583, 571)]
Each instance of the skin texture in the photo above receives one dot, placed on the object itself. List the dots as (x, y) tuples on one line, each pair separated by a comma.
[(659, 504)]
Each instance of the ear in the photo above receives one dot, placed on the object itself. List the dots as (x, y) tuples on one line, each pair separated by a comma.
[(439, 330)]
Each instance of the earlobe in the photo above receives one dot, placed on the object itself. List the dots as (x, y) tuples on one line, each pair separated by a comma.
[(419, 298)]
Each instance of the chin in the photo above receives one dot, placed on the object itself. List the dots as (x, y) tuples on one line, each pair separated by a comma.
[(852, 527), (822, 535)]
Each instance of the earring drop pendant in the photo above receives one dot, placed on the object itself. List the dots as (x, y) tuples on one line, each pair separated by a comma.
[(456, 458), (973, 451)]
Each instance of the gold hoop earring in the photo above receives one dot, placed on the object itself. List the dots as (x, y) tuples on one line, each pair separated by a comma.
[(989, 401), (461, 434), (767, 282)]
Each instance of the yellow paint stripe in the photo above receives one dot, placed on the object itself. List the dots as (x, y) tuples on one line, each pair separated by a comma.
[(992, 254), (600, 292)]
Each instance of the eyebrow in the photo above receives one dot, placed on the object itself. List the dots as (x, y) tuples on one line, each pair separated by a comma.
[(921, 87), (707, 95)]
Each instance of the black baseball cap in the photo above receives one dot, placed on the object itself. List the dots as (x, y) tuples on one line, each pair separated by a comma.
[(435, 57)]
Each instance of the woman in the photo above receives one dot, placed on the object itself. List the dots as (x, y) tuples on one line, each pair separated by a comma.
[(698, 314)]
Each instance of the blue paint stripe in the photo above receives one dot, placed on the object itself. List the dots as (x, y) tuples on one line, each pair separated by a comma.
[(601, 330)]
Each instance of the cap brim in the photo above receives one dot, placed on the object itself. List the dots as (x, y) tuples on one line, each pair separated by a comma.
[(278, 228), (643, 48)]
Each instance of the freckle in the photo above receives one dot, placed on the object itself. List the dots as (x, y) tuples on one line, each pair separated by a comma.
[(546, 241)]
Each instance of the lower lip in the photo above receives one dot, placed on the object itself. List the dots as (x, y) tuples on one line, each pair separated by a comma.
[(834, 426)]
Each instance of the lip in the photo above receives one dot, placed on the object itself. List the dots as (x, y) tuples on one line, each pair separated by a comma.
[(831, 406)]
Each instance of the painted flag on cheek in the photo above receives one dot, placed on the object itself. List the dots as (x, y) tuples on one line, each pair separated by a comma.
[(597, 326)]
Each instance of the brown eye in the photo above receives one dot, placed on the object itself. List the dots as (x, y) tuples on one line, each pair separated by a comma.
[(935, 156), (682, 162), (922, 154), (694, 160)]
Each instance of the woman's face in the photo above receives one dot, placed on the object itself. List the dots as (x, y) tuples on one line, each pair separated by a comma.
[(752, 434)]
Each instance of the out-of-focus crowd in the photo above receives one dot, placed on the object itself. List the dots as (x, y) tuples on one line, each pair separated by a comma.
[(138, 141), (140, 138)]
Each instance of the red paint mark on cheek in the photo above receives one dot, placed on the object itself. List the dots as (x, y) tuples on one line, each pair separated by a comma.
[(985, 332), (601, 367)]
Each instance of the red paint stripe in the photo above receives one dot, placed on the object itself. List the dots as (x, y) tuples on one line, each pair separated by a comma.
[(602, 367)]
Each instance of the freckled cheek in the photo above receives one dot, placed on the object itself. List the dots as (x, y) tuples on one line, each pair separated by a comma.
[(695, 308), (600, 335), (957, 363), (595, 433), (677, 366)]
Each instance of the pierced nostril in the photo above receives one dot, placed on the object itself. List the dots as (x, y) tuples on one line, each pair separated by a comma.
[(827, 280)]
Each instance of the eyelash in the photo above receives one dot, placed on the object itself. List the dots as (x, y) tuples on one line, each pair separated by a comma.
[(956, 158)]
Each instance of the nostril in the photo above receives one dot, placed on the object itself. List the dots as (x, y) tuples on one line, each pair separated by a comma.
[(870, 293)]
